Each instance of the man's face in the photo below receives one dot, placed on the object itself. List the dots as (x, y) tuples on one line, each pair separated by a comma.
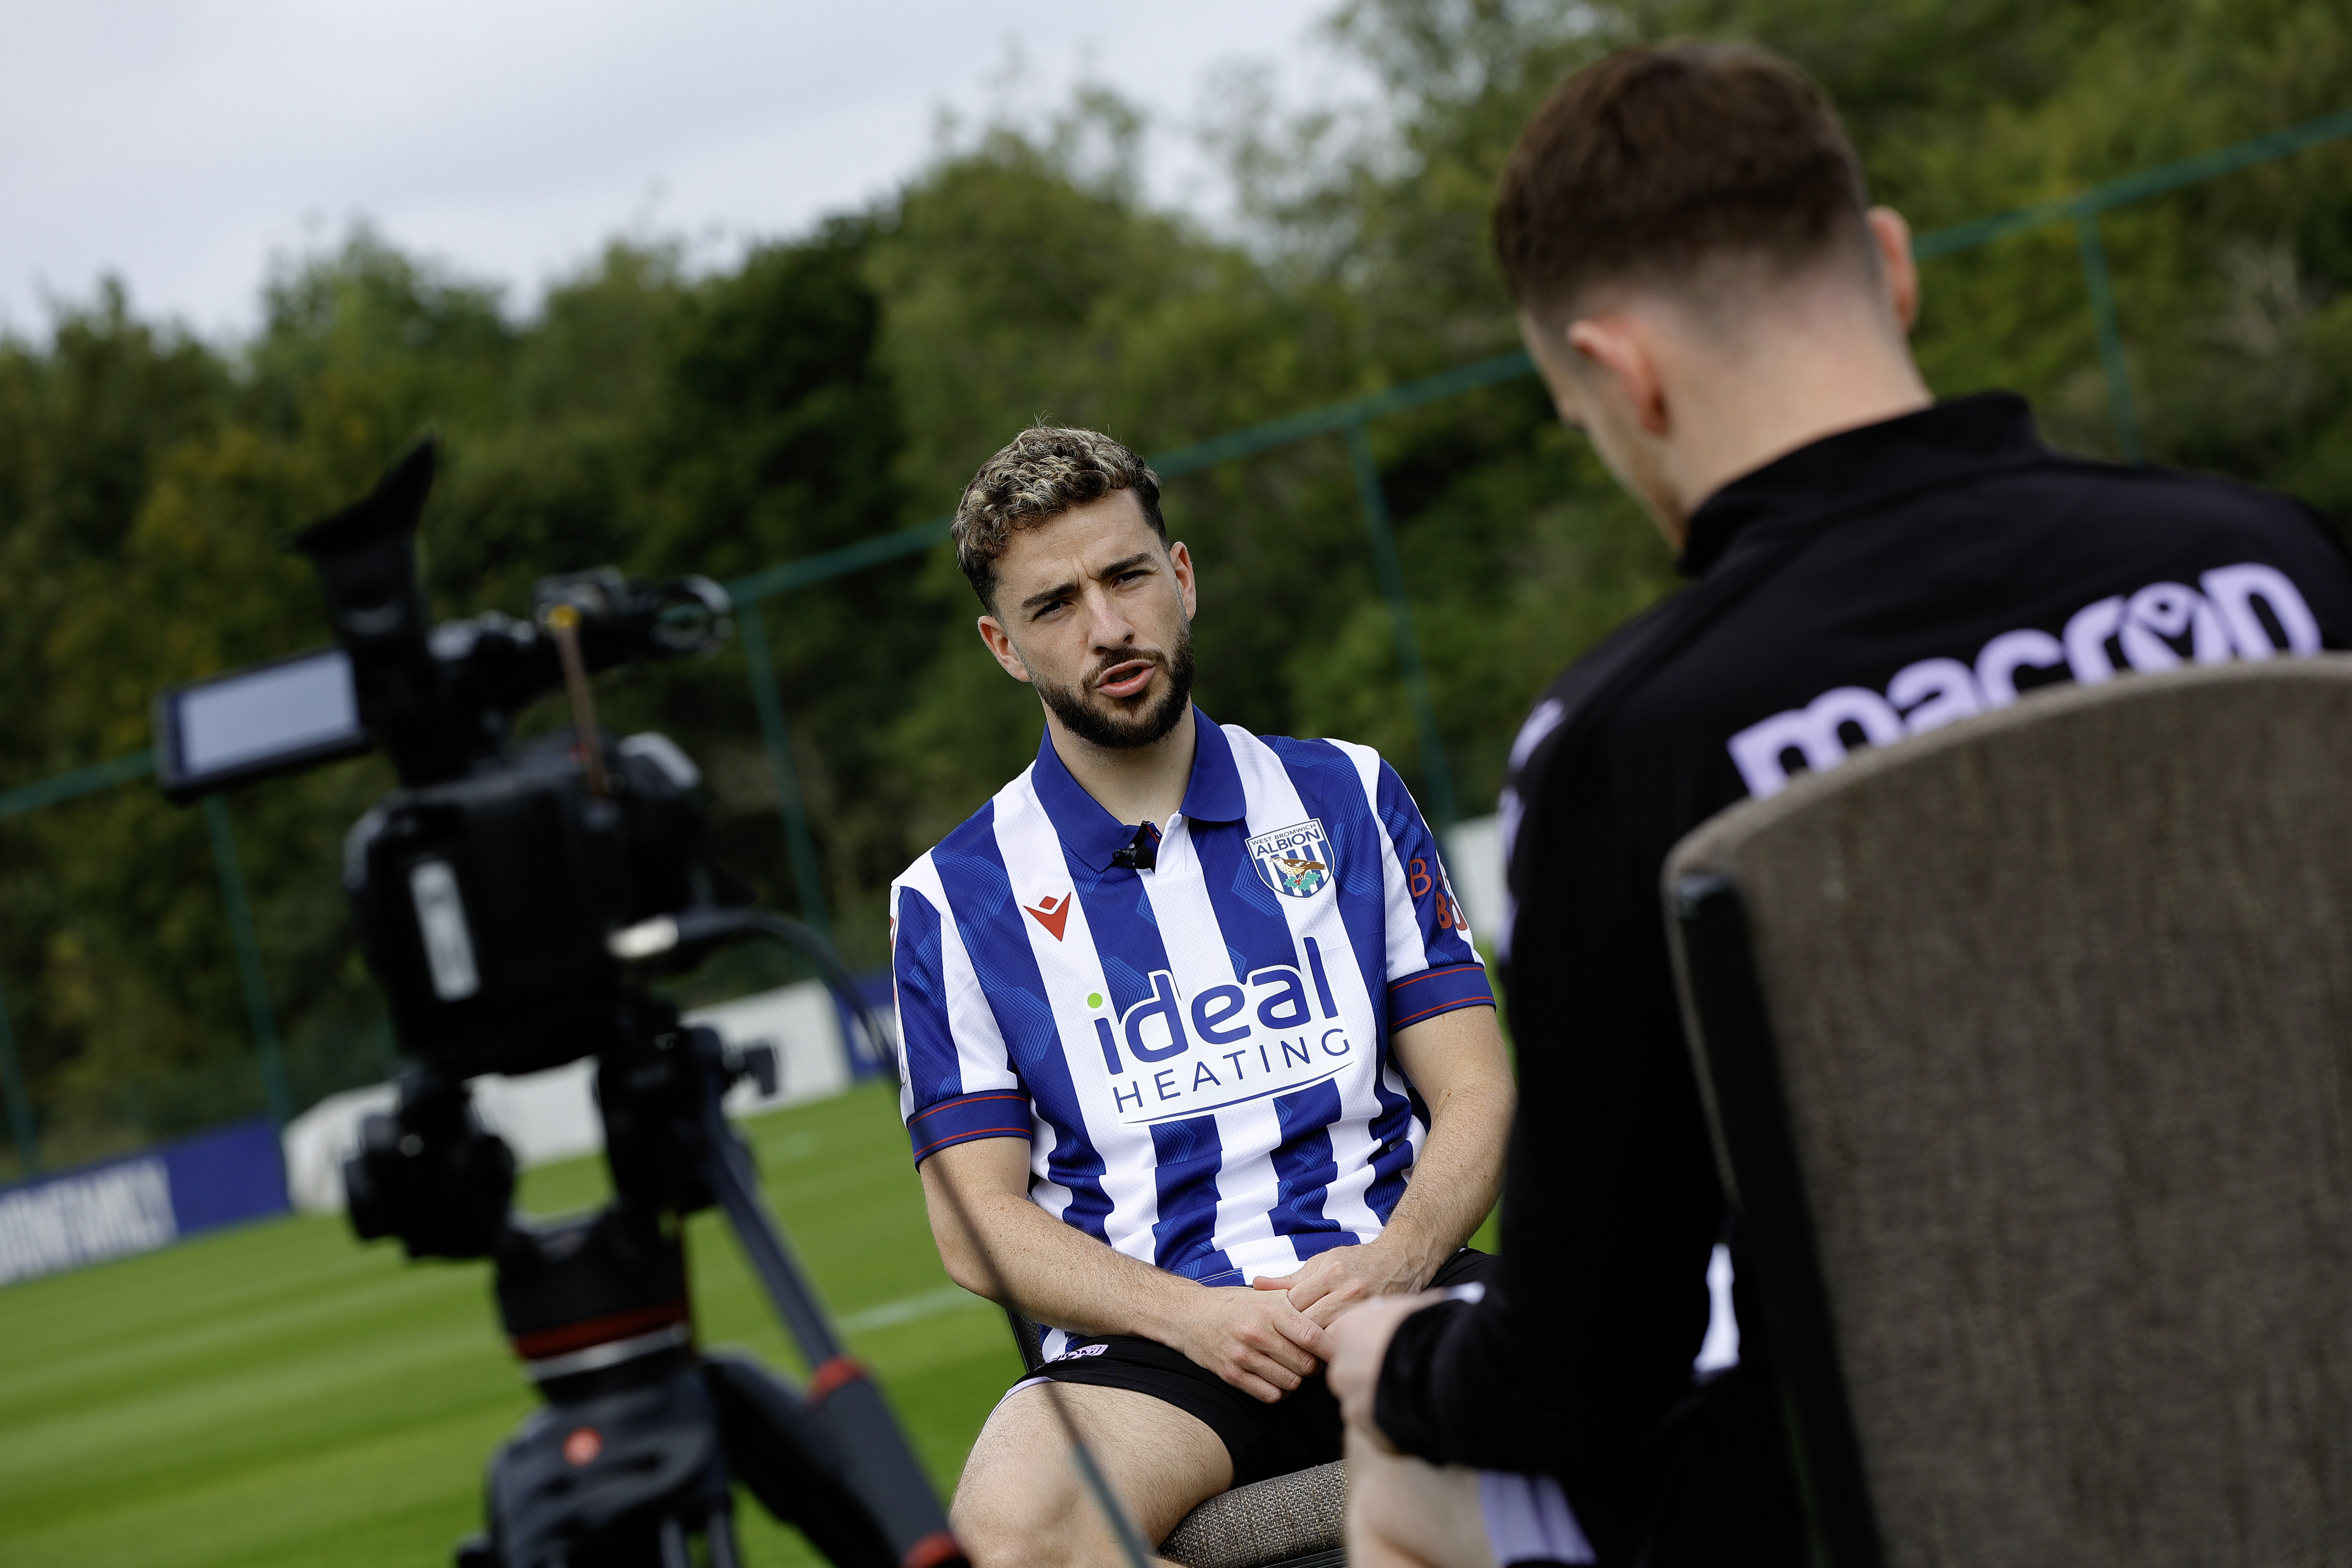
[(1097, 613)]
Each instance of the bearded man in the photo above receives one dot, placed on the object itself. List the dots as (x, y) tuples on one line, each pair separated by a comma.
[(1196, 1052)]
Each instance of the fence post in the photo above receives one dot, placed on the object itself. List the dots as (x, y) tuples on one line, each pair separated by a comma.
[(20, 1102), (2111, 337), (248, 961), (1437, 783), (798, 845)]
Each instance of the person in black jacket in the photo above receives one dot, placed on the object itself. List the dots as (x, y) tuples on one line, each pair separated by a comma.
[(1708, 294)]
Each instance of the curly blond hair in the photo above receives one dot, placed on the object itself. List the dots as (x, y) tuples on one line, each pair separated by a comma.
[(1042, 473)]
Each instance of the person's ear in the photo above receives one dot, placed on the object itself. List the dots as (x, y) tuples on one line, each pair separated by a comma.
[(1891, 238), (1616, 364), (1000, 643), (1549, 349), (1182, 560)]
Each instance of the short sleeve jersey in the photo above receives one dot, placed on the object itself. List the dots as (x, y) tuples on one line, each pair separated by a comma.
[(1198, 1052)]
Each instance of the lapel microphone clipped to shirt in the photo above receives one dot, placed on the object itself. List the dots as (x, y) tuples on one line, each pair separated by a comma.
[(1141, 853)]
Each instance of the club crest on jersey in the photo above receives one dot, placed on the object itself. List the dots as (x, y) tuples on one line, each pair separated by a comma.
[(1295, 861)]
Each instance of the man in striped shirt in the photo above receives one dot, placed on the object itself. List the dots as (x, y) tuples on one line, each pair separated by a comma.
[(1196, 1051)]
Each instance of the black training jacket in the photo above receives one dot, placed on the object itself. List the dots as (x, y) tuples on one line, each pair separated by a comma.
[(1873, 584)]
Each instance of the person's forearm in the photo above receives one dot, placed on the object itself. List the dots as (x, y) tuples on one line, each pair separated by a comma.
[(1463, 1383), (1053, 1273), (997, 1243), (1457, 1060), (1458, 1175)]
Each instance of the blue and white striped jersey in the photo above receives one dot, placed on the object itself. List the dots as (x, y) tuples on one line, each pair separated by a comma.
[(1197, 1053)]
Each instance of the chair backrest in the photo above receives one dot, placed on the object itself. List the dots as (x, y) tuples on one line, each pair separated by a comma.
[(2029, 1044)]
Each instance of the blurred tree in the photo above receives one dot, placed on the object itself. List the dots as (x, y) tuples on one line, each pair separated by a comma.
[(777, 436)]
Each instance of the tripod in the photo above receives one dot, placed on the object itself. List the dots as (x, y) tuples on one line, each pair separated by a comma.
[(630, 1457)]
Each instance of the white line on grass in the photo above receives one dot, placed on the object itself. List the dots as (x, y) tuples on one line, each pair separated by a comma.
[(892, 1313)]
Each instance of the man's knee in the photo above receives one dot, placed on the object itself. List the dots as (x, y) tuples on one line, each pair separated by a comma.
[(1020, 1499), (1007, 1505), (1005, 1518)]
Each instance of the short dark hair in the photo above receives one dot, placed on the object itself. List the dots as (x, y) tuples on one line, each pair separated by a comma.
[(1042, 473), (1656, 159)]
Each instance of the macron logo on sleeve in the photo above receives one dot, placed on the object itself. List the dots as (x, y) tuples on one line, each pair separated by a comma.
[(2249, 611), (1052, 913)]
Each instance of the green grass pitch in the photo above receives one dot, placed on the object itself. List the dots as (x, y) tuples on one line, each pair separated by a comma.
[(280, 1394)]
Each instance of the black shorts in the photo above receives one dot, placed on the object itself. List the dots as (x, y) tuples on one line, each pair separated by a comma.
[(1301, 1429)]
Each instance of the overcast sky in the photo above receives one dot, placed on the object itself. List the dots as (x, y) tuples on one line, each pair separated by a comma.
[(182, 144)]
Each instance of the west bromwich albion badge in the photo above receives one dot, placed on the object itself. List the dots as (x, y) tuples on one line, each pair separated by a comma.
[(1294, 861)]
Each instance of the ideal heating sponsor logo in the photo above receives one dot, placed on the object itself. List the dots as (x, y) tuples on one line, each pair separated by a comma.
[(1171, 1056), (2248, 611)]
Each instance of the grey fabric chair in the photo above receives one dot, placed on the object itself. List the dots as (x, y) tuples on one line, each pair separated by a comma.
[(2029, 1050), (1290, 1521)]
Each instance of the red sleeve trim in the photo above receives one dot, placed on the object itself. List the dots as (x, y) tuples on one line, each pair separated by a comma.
[(1425, 996), (993, 1114)]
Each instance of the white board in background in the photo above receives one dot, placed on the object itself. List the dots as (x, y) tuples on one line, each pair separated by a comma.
[(1473, 861)]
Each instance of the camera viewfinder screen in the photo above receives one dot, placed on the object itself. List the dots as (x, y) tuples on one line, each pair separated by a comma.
[(298, 707)]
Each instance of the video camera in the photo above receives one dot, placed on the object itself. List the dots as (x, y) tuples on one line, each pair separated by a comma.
[(489, 886), (515, 902)]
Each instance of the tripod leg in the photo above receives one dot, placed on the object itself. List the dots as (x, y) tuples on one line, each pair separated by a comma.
[(718, 1535), (672, 1543), (873, 1461), (784, 1454)]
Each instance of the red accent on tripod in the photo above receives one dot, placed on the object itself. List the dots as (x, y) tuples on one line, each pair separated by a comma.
[(840, 1370), (590, 1332), (935, 1548)]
